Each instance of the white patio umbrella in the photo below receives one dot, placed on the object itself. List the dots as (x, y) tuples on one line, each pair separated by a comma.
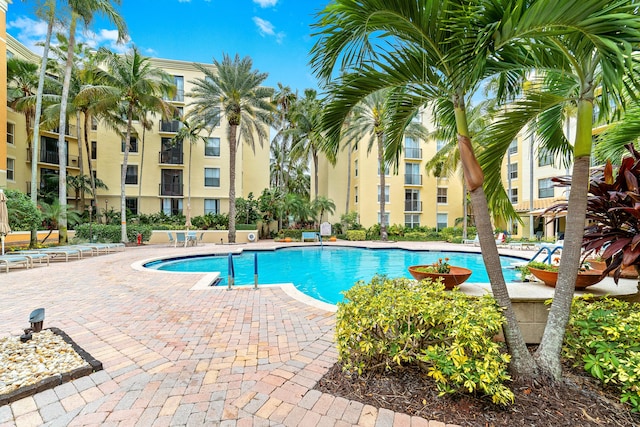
[(4, 218)]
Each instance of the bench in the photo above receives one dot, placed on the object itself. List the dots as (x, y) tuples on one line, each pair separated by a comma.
[(309, 235)]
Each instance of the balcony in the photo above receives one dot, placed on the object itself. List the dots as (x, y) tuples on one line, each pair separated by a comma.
[(412, 206), (51, 157), (413, 179), (170, 158), (170, 189), (413, 153), (170, 126)]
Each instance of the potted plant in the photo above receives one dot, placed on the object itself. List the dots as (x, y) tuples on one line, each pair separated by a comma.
[(450, 276), (614, 229), (548, 273)]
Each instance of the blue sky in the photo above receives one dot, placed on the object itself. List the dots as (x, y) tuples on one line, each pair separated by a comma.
[(276, 34)]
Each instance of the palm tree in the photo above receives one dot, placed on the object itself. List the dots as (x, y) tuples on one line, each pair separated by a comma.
[(84, 10), (438, 52), (283, 100), (321, 205), (307, 132), (191, 134), (134, 85), (22, 82), (232, 90)]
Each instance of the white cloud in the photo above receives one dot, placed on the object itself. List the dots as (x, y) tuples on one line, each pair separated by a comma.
[(266, 28), (266, 3), (104, 38)]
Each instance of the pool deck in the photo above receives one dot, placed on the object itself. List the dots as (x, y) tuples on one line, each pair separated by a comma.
[(174, 354)]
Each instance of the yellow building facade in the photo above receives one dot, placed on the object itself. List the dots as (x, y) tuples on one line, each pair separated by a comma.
[(412, 197), (160, 173)]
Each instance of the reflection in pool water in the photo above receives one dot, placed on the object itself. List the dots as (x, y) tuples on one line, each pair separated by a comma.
[(324, 273)]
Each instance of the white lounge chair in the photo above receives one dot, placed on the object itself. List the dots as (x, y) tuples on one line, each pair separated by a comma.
[(475, 241), (11, 260)]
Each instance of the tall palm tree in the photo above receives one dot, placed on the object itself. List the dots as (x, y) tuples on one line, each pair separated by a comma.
[(438, 52), (84, 10), (307, 132), (283, 100), (189, 133), (232, 90), (132, 85)]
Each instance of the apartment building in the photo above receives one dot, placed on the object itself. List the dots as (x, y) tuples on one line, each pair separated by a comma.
[(412, 197), (158, 173)]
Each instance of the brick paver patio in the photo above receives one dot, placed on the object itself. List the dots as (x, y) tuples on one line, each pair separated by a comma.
[(176, 356)]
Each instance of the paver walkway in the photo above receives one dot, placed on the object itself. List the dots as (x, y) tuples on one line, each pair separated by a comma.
[(175, 356)]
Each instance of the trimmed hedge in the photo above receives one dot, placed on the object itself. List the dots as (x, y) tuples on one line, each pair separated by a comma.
[(111, 233), (356, 235)]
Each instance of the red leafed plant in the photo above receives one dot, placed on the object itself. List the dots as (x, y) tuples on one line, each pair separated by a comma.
[(613, 212)]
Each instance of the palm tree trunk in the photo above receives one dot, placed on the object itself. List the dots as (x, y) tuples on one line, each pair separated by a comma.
[(522, 363), (80, 162), (465, 216), (36, 128), (314, 156), (140, 175), (548, 353), (62, 145), (189, 184), (232, 182), (123, 179), (383, 222), (87, 124)]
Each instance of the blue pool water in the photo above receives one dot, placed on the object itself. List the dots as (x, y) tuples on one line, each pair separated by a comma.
[(324, 273)]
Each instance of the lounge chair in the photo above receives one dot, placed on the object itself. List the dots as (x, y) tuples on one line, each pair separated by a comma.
[(54, 252), (11, 260), (474, 242)]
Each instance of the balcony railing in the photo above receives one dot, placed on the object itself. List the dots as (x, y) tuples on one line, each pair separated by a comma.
[(51, 157), (413, 179), (413, 153), (170, 158), (171, 189), (412, 206), (170, 126)]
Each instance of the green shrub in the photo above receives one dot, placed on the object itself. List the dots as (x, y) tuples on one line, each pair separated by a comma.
[(392, 322), (23, 215), (358, 235), (603, 338), (111, 233), (295, 234), (415, 236), (246, 227)]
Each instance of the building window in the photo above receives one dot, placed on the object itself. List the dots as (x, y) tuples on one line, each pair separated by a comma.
[(440, 144), (212, 177), (514, 195), (355, 192), (545, 188), (132, 175), (94, 123), (131, 204), (11, 167), (386, 170), (355, 145), (412, 201), (412, 174), (355, 167), (513, 147), (545, 159), (179, 82), (386, 218), (212, 147), (11, 132), (386, 194), (211, 206), (513, 171), (412, 148), (172, 206), (412, 220), (442, 195), (442, 221), (133, 145), (94, 150)]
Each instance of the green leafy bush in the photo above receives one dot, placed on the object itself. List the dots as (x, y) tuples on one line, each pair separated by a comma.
[(358, 235), (392, 322), (603, 338), (111, 233), (23, 215), (415, 236)]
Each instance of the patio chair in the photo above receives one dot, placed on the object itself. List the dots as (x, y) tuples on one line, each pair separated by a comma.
[(11, 260), (181, 239), (172, 241), (475, 241), (192, 239), (201, 238)]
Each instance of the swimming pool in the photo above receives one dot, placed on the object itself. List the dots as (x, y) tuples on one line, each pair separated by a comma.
[(324, 273)]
